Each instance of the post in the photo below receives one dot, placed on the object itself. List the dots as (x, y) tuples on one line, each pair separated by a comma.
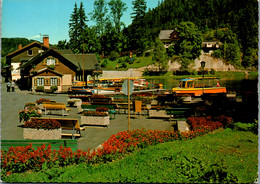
[(128, 93), (203, 63)]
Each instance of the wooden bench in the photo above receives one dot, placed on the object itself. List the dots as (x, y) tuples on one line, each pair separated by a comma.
[(55, 144), (50, 106), (181, 112), (111, 108), (69, 124)]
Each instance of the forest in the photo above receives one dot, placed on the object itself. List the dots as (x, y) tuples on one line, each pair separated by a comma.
[(232, 22)]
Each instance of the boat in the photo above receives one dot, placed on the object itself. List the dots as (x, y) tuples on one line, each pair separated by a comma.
[(199, 86)]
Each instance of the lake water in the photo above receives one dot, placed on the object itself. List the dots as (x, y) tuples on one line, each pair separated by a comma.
[(243, 84)]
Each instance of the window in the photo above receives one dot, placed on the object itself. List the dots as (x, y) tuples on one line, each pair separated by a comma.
[(40, 81), (30, 52), (54, 82), (50, 61)]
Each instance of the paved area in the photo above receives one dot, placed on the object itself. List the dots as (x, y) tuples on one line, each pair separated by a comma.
[(13, 102)]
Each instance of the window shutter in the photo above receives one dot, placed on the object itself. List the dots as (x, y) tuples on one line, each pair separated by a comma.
[(35, 81), (44, 62), (57, 62), (58, 82), (47, 82)]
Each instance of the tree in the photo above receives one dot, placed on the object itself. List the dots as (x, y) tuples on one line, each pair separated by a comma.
[(62, 44), (188, 47), (159, 54), (77, 29), (99, 15), (74, 29), (117, 8), (138, 33)]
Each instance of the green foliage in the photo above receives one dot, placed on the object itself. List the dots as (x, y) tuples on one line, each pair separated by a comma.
[(77, 29), (117, 8), (9, 45), (217, 53), (188, 46), (212, 71), (54, 88), (113, 56), (159, 54), (39, 88)]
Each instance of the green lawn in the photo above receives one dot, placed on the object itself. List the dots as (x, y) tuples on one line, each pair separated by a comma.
[(220, 156)]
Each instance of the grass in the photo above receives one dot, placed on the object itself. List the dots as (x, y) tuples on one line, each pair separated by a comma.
[(139, 62), (227, 154)]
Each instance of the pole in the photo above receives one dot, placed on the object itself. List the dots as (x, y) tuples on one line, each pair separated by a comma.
[(128, 93), (83, 65)]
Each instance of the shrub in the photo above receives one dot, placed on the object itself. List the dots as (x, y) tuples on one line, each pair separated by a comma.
[(39, 88), (94, 113), (46, 124), (54, 88), (113, 56), (212, 71)]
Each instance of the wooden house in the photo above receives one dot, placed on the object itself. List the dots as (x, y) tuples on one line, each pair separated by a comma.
[(50, 67)]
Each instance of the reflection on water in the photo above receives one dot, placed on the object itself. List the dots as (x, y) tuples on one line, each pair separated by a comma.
[(239, 85)]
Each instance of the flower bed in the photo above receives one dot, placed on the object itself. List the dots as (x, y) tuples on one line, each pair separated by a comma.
[(95, 118), (19, 159), (39, 101), (42, 129)]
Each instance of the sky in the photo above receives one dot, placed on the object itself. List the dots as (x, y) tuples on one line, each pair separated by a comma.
[(32, 18)]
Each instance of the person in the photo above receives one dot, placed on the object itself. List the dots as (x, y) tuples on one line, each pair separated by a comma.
[(8, 86), (218, 84), (12, 85)]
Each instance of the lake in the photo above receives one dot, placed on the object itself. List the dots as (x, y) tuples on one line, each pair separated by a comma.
[(239, 84)]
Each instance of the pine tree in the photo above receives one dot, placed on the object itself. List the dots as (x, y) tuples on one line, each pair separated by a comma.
[(74, 29)]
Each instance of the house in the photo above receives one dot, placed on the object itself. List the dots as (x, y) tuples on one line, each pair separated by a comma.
[(168, 37), (208, 46), (50, 67), (22, 55)]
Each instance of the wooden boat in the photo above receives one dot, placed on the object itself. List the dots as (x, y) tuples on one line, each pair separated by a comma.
[(199, 86)]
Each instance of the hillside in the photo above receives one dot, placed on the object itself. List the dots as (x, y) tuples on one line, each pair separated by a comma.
[(9, 45)]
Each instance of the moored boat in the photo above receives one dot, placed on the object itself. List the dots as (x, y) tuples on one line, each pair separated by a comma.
[(199, 86)]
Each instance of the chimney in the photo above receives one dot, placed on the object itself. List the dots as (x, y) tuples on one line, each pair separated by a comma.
[(20, 46), (46, 40)]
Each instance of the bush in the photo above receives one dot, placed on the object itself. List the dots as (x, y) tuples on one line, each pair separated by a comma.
[(54, 88), (39, 88), (46, 124), (212, 71), (104, 63), (113, 56)]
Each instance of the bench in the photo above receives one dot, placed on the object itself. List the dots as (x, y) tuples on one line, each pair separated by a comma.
[(183, 112), (50, 106), (69, 124), (55, 144), (111, 108)]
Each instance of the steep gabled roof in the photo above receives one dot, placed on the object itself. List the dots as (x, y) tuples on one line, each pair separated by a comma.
[(77, 59), (165, 34), (27, 47), (39, 57)]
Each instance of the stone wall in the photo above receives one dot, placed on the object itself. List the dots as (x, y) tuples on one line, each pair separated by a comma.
[(121, 74)]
